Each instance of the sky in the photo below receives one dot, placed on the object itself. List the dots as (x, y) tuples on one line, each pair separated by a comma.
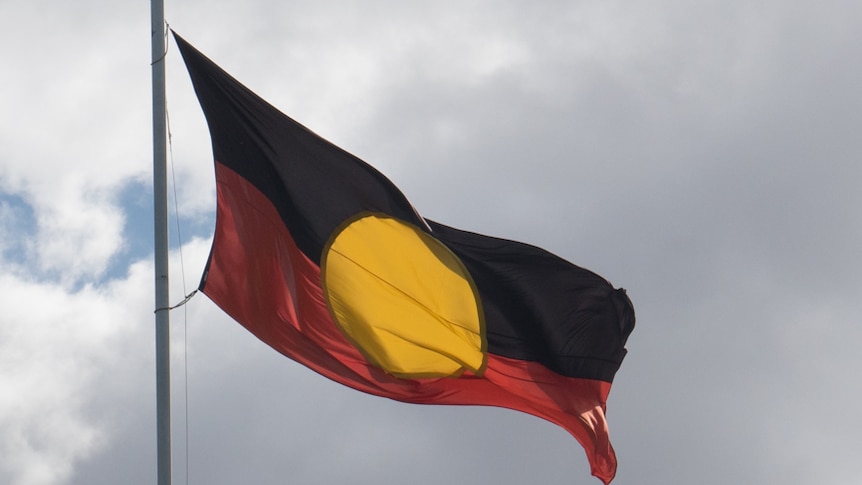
[(702, 154)]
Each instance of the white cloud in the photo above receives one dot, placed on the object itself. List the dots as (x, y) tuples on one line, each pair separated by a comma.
[(75, 128), (79, 235), (55, 350), (76, 366)]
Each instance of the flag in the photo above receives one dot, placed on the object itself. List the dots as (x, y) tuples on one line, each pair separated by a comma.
[(324, 259)]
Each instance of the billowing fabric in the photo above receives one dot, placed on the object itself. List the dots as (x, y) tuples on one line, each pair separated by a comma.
[(324, 259)]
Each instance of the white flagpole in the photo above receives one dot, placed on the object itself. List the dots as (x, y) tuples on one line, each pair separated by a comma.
[(160, 226)]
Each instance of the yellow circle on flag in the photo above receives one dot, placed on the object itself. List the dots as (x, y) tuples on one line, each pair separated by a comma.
[(403, 298)]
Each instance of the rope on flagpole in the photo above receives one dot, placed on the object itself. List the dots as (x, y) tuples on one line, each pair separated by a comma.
[(170, 150), (167, 44), (185, 300), (170, 146)]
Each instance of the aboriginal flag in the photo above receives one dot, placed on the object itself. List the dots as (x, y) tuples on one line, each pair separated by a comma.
[(324, 259)]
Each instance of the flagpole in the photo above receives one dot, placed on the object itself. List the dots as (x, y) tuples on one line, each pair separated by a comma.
[(160, 236)]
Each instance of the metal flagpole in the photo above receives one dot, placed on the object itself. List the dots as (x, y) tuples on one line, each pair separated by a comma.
[(160, 226)]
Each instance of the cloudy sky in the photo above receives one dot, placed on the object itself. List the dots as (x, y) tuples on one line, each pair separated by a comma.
[(704, 155)]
